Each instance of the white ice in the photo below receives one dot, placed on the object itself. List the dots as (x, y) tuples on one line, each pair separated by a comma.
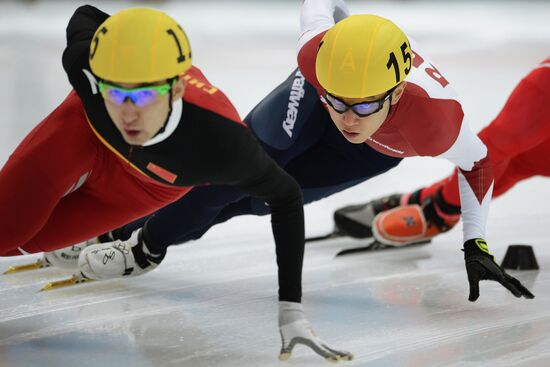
[(213, 302)]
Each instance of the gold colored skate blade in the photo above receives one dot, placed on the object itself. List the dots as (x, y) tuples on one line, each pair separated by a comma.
[(39, 264), (75, 279)]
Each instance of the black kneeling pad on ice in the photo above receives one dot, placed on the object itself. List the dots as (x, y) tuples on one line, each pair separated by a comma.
[(520, 257)]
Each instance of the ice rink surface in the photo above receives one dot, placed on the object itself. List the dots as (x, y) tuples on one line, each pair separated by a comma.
[(213, 302)]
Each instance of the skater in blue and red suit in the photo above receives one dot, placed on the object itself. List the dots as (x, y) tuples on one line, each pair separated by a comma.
[(518, 142)]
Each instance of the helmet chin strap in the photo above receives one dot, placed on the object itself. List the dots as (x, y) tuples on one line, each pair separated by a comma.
[(390, 99), (170, 103), (389, 110)]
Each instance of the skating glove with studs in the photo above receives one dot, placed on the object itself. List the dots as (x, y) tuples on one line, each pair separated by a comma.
[(480, 265), (295, 329)]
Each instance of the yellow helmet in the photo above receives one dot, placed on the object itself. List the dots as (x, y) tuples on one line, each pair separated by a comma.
[(139, 45), (362, 56)]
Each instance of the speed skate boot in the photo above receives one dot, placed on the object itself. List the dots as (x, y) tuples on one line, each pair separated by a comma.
[(356, 220), (415, 222), (67, 258), (119, 258)]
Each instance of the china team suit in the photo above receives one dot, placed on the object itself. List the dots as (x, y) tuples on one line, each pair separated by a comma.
[(295, 128), (75, 177), (518, 139)]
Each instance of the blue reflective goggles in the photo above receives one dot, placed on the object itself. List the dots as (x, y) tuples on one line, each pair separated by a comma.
[(362, 109), (139, 96)]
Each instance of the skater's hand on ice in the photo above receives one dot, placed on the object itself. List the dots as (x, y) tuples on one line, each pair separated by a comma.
[(480, 265), (295, 329)]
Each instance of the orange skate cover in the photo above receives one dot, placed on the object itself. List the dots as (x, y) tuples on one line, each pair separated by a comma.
[(401, 226)]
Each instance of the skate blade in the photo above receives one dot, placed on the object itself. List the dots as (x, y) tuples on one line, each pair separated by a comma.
[(75, 279), (328, 236), (377, 246), (39, 264)]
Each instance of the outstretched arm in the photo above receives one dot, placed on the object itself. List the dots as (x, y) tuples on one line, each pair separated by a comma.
[(80, 31), (249, 168), (475, 179), (317, 16)]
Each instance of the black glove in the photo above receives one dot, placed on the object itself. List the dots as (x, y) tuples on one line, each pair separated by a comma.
[(480, 265)]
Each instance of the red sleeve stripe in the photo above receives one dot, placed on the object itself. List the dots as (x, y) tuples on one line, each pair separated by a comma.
[(480, 178)]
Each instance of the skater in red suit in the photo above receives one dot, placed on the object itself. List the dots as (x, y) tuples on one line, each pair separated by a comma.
[(142, 128)]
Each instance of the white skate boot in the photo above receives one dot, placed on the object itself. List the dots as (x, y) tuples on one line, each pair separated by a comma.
[(117, 259), (67, 258)]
